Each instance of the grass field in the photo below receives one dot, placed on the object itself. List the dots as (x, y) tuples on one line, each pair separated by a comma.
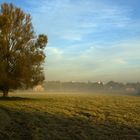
[(69, 117)]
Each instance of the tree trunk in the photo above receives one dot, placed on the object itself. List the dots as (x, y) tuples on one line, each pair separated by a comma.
[(5, 93)]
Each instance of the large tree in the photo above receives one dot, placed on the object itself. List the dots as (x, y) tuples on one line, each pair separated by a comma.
[(21, 50)]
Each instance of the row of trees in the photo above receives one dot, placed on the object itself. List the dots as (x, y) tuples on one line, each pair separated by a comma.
[(90, 86)]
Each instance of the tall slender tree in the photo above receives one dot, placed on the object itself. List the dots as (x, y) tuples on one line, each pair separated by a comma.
[(21, 50)]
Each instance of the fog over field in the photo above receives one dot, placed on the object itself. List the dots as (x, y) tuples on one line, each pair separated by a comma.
[(70, 70)]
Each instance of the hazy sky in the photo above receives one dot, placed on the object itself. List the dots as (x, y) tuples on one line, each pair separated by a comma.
[(88, 39)]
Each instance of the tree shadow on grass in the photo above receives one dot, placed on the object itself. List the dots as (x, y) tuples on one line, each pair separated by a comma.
[(15, 99), (39, 125)]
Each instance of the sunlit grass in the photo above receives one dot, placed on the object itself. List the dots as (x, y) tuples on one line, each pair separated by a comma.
[(70, 116)]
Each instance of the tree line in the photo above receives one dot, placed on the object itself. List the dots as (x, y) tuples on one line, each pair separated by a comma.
[(91, 86)]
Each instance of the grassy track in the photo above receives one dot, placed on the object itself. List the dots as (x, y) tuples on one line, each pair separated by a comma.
[(70, 117)]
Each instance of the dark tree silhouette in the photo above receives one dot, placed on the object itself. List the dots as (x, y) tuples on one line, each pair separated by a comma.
[(21, 51)]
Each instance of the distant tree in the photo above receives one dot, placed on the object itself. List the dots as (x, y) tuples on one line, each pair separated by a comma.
[(21, 51), (114, 85)]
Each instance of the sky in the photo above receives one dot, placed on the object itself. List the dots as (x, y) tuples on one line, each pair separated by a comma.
[(96, 40)]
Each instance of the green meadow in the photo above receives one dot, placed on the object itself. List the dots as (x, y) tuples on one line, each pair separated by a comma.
[(69, 116)]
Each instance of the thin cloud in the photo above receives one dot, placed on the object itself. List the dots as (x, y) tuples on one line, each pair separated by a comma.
[(109, 61), (65, 15)]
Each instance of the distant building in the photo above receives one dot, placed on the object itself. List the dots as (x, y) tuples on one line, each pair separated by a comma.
[(131, 89), (38, 88), (100, 83)]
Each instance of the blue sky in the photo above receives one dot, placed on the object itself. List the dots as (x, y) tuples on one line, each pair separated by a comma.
[(88, 39)]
